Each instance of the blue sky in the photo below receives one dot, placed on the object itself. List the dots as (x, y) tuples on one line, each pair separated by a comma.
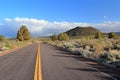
[(65, 14)]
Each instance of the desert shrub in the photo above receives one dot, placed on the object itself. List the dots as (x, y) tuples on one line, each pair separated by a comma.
[(54, 37), (104, 49), (98, 35), (118, 56), (7, 45), (109, 56), (63, 36), (2, 38), (99, 49), (112, 35)]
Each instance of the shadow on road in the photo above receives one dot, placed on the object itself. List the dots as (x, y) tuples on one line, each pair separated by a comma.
[(111, 71), (105, 78), (83, 69), (90, 70)]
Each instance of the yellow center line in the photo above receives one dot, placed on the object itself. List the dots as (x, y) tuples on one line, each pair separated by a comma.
[(38, 68)]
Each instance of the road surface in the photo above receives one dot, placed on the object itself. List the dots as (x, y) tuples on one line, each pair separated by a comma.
[(19, 65), (57, 64), (60, 65)]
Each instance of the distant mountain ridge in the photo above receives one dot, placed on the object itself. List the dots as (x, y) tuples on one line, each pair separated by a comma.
[(117, 32), (82, 31)]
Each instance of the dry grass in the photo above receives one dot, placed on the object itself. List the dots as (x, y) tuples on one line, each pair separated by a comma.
[(92, 47), (12, 44)]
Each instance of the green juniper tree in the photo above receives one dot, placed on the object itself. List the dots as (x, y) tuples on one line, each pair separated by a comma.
[(23, 33), (112, 35), (54, 37), (98, 35), (2, 38), (63, 36)]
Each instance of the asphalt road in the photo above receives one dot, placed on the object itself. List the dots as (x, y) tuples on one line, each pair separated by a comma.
[(19, 65), (60, 65), (57, 64)]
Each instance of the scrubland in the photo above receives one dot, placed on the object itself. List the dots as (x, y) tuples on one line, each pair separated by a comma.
[(12, 44), (104, 50)]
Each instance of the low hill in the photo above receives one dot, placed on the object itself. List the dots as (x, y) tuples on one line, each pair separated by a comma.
[(82, 31)]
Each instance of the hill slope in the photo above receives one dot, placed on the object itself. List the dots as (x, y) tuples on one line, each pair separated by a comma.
[(82, 31)]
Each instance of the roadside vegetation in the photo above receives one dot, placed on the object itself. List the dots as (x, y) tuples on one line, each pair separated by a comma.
[(23, 38), (23, 34), (89, 43), (60, 37), (103, 48)]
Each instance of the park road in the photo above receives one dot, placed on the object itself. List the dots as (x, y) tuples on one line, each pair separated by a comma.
[(20, 64), (58, 64)]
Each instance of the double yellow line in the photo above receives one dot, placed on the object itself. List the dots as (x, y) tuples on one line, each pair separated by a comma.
[(38, 69)]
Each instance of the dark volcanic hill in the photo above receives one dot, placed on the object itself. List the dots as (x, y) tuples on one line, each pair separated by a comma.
[(82, 31)]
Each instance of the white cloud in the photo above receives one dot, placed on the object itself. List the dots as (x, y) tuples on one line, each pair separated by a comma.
[(109, 26), (37, 27)]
